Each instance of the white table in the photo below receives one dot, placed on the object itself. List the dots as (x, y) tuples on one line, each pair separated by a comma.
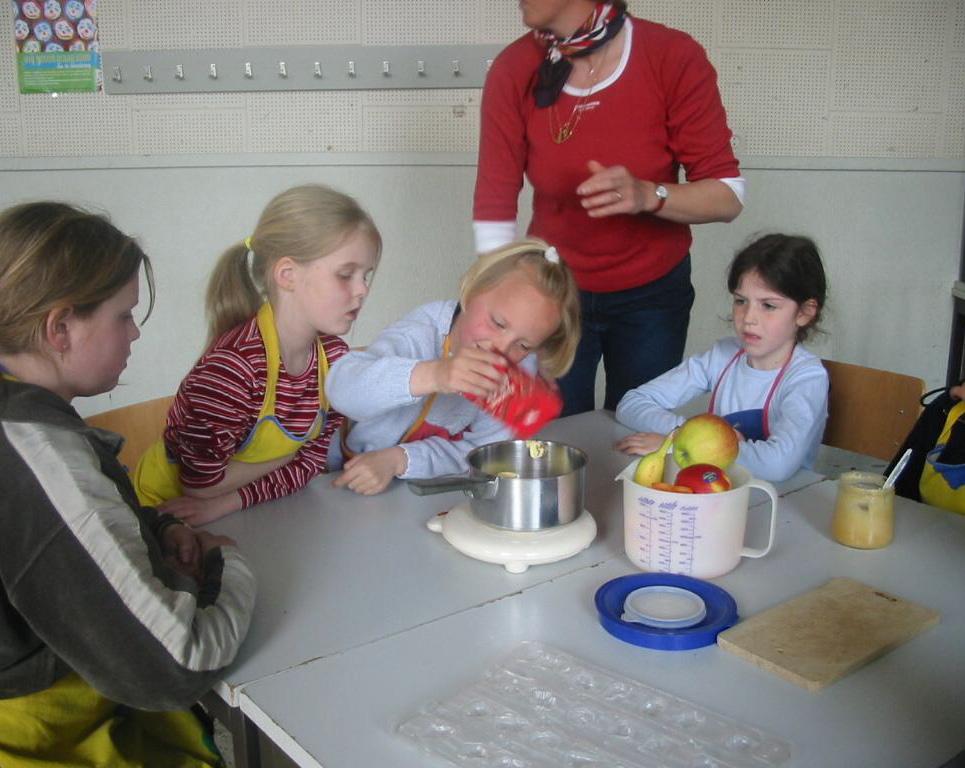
[(337, 571), (905, 709)]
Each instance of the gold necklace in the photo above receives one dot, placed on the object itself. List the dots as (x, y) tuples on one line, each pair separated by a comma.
[(562, 131)]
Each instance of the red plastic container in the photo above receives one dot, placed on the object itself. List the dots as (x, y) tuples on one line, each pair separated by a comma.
[(525, 403)]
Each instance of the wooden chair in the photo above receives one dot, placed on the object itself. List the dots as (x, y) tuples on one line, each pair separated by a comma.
[(140, 424), (870, 411)]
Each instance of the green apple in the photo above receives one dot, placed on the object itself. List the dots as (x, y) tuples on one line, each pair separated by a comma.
[(705, 439)]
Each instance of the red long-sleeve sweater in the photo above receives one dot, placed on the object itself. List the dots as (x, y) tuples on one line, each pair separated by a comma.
[(217, 405), (662, 112)]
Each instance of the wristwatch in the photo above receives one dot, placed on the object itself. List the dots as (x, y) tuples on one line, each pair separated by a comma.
[(662, 195)]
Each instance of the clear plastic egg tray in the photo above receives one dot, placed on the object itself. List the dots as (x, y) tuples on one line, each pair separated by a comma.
[(542, 708)]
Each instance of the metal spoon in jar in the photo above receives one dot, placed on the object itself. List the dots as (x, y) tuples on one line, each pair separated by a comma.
[(893, 477)]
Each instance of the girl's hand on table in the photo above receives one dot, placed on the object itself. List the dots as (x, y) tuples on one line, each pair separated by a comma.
[(370, 473), (197, 511), (640, 443), (184, 549)]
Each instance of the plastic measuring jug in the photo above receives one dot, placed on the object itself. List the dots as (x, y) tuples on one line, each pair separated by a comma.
[(696, 534)]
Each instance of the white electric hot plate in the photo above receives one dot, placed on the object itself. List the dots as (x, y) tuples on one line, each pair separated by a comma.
[(514, 550)]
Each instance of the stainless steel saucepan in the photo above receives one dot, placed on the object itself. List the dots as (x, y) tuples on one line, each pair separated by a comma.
[(522, 485)]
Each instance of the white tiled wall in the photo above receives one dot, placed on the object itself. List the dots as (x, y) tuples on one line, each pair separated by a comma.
[(824, 78)]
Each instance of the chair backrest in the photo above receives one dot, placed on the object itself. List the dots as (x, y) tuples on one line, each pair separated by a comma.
[(870, 411), (140, 424)]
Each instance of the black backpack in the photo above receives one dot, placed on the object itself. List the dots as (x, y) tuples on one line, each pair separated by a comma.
[(923, 438)]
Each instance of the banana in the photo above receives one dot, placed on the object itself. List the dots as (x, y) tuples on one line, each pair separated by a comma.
[(650, 467)]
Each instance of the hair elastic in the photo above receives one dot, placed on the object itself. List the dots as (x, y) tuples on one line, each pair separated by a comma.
[(552, 255)]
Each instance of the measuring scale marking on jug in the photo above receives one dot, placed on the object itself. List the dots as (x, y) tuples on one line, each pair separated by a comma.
[(699, 535), (668, 531)]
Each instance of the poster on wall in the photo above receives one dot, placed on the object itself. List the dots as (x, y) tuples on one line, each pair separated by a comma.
[(57, 48)]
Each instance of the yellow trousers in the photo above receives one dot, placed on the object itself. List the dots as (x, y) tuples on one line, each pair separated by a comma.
[(71, 724)]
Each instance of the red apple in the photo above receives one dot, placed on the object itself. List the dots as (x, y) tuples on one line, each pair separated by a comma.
[(703, 478)]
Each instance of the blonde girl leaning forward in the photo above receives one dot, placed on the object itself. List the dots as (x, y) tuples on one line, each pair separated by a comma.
[(763, 381), (252, 420), (405, 390), (108, 609)]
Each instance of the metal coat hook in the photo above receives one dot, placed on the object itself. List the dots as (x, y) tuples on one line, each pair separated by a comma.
[(281, 68)]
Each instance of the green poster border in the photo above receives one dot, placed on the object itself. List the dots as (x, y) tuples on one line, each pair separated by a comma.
[(58, 72)]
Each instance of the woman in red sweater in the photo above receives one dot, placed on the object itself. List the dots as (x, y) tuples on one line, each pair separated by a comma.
[(600, 111)]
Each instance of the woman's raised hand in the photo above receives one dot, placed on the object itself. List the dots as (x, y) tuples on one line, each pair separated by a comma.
[(614, 190)]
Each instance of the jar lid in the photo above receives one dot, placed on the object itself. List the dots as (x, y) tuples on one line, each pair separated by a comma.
[(720, 612), (661, 605)]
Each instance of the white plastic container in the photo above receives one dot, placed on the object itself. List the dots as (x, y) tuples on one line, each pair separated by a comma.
[(696, 534)]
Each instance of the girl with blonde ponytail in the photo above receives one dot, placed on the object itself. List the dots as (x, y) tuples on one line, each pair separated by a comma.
[(251, 421), (519, 303)]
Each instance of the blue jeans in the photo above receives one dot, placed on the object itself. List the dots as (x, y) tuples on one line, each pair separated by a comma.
[(640, 333)]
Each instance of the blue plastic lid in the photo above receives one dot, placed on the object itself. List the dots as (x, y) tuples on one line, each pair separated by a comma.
[(611, 598)]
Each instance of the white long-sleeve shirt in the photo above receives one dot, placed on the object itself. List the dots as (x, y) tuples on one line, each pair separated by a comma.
[(371, 387), (797, 413)]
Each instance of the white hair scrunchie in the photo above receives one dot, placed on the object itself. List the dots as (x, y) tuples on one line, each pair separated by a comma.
[(552, 255)]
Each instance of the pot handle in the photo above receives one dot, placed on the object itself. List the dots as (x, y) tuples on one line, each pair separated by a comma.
[(445, 483), (771, 491)]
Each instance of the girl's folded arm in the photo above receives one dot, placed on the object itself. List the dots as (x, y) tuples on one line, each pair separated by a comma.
[(310, 461), (159, 639), (214, 410), (650, 407)]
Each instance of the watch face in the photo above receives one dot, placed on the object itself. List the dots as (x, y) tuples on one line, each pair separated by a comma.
[(661, 192)]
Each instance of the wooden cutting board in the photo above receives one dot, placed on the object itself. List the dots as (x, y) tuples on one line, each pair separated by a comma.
[(827, 633)]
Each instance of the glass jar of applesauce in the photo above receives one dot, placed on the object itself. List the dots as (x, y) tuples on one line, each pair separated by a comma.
[(864, 513)]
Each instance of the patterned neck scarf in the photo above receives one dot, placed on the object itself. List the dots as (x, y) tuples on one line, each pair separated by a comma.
[(600, 27)]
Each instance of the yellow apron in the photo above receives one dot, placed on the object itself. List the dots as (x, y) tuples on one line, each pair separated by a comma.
[(71, 724), (157, 478), (934, 486)]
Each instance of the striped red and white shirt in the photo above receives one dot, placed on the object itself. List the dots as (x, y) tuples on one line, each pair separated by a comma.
[(217, 406)]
